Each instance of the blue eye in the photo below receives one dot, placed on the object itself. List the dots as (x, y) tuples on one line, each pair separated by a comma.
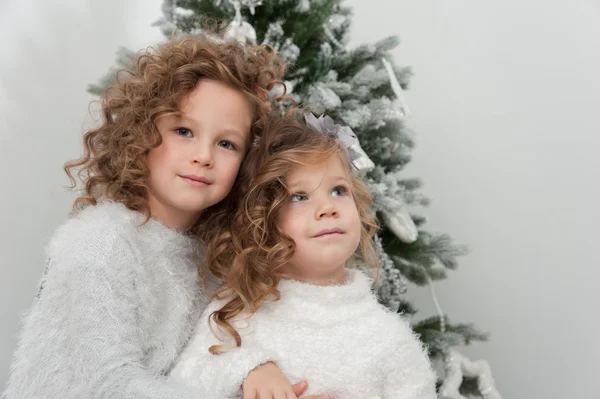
[(226, 144), (182, 131), (339, 191), (299, 197)]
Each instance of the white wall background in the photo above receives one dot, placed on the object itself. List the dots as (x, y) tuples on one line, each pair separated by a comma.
[(505, 100)]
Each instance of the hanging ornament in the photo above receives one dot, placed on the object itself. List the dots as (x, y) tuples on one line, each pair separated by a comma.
[(458, 366), (403, 105), (239, 29), (334, 24), (401, 224), (251, 4)]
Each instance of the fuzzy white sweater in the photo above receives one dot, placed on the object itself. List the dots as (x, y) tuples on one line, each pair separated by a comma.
[(115, 308), (338, 338)]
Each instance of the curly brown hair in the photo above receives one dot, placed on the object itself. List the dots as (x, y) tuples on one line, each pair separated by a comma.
[(114, 164), (248, 254)]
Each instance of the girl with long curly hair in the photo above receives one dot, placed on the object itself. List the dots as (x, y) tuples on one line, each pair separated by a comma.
[(121, 293), (297, 264)]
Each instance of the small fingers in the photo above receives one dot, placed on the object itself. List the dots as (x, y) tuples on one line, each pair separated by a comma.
[(279, 394), (251, 393), (265, 394), (299, 388), (290, 395)]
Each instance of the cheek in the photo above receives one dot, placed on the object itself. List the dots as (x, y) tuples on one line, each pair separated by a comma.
[(159, 156), (288, 223), (356, 225), (154, 161), (231, 168)]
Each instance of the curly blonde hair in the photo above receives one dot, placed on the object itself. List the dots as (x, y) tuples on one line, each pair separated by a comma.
[(248, 254), (114, 164)]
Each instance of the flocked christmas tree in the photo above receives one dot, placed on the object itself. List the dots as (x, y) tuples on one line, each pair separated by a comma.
[(361, 88)]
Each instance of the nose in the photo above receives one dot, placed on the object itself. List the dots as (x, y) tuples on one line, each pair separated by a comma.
[(203, 155), (326, 209)]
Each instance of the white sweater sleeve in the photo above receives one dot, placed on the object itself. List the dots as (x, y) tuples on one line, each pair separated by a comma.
[(102, 322), (88, 307), (408, 371), (222, 374)]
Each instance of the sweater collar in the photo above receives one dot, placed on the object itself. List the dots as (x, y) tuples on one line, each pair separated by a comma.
[(356, 288), (174, 237), (172, 243)]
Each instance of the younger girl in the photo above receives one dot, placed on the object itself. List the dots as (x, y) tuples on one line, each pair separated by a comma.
[(290, 295), (120, 295)]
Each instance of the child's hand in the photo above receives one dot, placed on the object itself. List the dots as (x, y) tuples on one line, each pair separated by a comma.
[(268, 382)]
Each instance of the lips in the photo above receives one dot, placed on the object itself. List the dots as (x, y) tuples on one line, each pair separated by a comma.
[(196, 179), (329, 232)]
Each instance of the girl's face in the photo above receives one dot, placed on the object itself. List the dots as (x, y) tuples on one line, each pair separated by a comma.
[(323, 221), (198, 160)]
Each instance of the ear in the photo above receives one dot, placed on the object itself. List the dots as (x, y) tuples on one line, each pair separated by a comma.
[(262, 94)]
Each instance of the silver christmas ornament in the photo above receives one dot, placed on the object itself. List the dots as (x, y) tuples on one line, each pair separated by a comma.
[(457, 367), (239, 29), (251, 4), (398, 92), (401, 224)]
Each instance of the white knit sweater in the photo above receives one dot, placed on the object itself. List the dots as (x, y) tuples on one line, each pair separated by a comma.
[(338, 338), (116, 306)]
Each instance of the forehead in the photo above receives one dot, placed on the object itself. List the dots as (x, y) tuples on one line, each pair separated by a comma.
[(216, 103), (313, 174)]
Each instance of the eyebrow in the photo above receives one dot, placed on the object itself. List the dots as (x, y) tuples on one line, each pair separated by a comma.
[(235, 132), (226, 130), (340, 178)]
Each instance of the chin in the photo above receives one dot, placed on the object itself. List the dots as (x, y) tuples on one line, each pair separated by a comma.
[(333, 258)]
